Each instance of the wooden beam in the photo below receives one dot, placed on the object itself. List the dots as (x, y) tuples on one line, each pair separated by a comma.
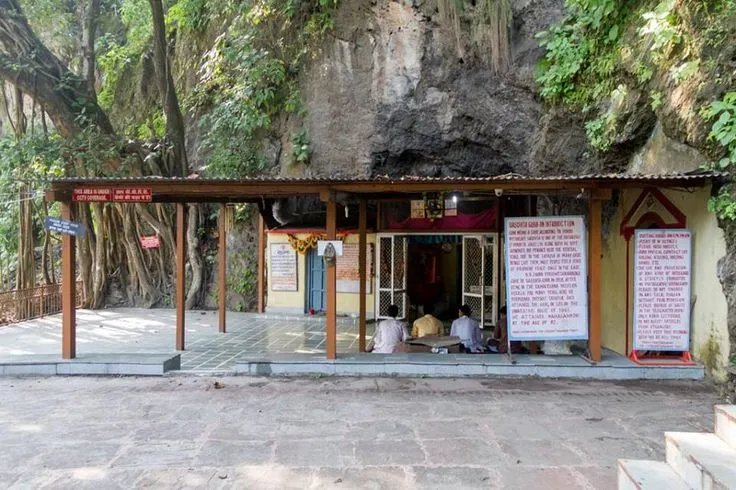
[(594, 277), (222, 269), (181, 278), (261, 288), (68, 289), (331, 334), (362, 252)]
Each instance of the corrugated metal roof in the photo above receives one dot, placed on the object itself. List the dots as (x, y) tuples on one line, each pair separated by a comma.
[(600, 177)]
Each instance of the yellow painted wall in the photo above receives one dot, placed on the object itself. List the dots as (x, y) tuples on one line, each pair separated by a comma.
[(294, 301), (709, 329)]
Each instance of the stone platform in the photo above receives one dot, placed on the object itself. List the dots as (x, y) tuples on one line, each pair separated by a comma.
[(93, 364), (612, 367)]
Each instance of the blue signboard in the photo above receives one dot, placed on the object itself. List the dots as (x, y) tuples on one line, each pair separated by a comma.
[(63, 226)]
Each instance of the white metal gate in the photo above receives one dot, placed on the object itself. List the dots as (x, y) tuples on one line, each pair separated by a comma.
[(480, 277), (392, 258)]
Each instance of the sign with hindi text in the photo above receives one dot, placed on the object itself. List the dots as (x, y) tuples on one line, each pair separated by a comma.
[(132, 194), (126, 194), (662, 290), (283, 265), (546, 278)]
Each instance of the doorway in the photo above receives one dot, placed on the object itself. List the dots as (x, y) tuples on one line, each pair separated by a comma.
[(444, 269), (316, 283), (434, 270)]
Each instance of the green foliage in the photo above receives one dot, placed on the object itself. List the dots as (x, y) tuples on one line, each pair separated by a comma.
[(249, 77), (655, 100), (662, 26), (600, 131), (300, 147), (188, 16), (116, 54), (644, 73), (582, 52), (723, 132), (56, 23), (32, 159), (155, 127)]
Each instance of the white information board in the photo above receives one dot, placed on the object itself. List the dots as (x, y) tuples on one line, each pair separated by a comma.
[(662, 290), (283, 267), (546, 278)]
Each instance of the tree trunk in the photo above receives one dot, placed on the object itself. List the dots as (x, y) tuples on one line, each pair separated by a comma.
[(174, 121), (20, 116), (195, 261), (89, 34), (28, 64), (46, 245)]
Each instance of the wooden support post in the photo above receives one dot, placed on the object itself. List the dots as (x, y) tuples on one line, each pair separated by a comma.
[(68, 289), (221, 269), (594, 276), (362, 249), (331, 334), (261, 266), (181, 278)]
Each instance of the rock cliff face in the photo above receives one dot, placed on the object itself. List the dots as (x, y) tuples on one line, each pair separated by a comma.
[(390, 95)]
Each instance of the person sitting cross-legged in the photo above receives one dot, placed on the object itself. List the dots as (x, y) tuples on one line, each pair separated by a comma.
[(468, 330), (389, 334), (427, 325)]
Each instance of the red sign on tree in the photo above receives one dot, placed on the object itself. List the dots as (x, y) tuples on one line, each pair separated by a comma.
[(149, 241)]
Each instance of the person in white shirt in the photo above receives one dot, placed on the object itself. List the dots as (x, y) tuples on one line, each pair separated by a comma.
[(468, 330), (389, 334)]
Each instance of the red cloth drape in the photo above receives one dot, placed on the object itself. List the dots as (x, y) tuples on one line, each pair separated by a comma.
[(485, 219)]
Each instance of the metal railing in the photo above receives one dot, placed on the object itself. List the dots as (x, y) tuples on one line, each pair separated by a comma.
[(25, 304)]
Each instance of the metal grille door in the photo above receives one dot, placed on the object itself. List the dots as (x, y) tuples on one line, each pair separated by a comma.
[(480, 277), (392, 257)]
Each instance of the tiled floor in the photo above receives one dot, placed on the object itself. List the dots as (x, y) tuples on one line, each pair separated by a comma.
[(134, 330)]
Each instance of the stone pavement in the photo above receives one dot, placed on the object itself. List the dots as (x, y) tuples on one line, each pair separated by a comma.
[(137, 330), (184, 432)]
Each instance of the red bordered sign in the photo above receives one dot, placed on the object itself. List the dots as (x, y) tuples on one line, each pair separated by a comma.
[(125, 194), (91, 195), (135, 194), (149, 241)]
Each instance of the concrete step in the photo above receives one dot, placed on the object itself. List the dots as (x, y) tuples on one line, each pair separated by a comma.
[(704, 461), (648, 475), (726, 423)]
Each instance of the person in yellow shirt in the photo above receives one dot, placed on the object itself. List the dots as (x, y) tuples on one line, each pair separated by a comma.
[(427, 325)]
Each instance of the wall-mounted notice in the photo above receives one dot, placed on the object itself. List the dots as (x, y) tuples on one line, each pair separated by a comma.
[(662, 290), (546, 278), (348, 277), (283, 268)]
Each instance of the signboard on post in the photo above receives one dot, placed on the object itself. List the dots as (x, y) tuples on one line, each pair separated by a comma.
[(322, 245), (546, 278), (150, 242), (59, 225), (283, 265), (662, 290)]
